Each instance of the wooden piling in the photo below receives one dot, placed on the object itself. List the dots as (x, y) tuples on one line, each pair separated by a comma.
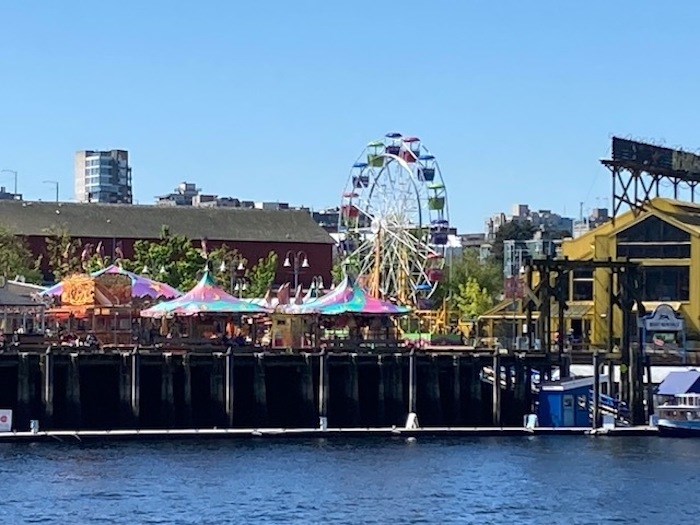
[(433, 391), (48, 388), (352, 392), (216, 390), (136, 386), (412, 382), (260, 390), (323, 388), (187, 387), (228, 388), (456, 390), (496, 407), (125, 391), (24, 393), (306, 385), (475, 407), (73, 393), (167, 392), (381, 405)]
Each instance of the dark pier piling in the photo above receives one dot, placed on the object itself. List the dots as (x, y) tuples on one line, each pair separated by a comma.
[(147, 389)]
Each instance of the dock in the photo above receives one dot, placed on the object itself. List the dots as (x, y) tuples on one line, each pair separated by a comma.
[(78, 436)]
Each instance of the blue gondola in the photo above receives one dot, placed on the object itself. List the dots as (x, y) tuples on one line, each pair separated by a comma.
[(439, 230)]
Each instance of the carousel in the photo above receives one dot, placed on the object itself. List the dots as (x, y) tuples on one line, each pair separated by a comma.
[(346, 316), (206, 314), (104, 305)]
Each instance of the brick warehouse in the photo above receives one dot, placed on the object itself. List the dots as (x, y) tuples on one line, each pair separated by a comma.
[(253, 232)]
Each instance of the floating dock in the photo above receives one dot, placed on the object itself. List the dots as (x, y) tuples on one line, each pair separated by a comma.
[(77, 436)]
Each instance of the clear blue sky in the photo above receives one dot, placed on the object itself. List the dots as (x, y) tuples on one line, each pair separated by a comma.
[(275, 100)]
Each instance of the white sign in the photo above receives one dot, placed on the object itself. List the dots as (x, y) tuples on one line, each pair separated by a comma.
[(664, 319), (5, 420)]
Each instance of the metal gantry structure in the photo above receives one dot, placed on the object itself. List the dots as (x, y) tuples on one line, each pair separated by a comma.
[(641, 172), (550, 297)]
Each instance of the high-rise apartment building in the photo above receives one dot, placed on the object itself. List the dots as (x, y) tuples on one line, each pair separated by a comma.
[(103, 176)]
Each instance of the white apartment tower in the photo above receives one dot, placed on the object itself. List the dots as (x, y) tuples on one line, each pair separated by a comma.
[(103, 176)]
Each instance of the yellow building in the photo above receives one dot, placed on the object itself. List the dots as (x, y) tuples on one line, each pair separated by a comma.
[(664, 239)]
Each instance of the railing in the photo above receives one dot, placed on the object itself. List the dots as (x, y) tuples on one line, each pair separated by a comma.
[(610, 405)]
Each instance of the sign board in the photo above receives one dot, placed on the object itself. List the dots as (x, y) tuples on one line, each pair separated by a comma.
[(655, 157), (663, 319), (5, 420), (78, 290)]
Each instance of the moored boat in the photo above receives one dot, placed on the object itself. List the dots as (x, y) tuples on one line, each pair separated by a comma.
[(680, 417)]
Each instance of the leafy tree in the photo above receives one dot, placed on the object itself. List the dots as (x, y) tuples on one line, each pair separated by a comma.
[(515, 231), (487, 273), (63, 252), (472, 299), (171, 259), (261, 276), (16, 258)]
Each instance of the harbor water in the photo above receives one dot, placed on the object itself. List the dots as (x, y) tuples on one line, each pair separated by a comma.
[(539, 479)]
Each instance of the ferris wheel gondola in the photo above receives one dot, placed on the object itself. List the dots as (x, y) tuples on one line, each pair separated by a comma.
[(394, 219)]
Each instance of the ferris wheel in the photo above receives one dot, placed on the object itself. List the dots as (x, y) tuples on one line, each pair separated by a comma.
[(394, 220)]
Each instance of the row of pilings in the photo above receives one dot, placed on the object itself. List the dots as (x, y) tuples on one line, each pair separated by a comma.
[(132, 390)]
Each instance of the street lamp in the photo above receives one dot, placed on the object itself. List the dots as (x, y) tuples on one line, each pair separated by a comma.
[(55, 183), (240, 286), (15, 174), (298, 261), (237, 282)]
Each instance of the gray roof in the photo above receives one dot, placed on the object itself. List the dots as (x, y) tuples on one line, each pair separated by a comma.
[(146, 222)]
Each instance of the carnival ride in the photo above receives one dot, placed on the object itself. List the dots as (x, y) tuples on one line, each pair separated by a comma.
[(394, 221)]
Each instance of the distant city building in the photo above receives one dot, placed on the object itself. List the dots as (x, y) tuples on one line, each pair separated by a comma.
[(182, 196), (9, 196), (598, 217), (103, 176), (328, 219), (472, 240), (546, 221)]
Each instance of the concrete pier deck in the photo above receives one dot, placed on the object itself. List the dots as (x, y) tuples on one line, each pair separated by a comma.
[(70, 436)]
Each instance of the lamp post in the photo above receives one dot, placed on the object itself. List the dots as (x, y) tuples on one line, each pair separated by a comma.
[(237, 283), (15, 174), (55, 183), (297, 261), (317, 285)]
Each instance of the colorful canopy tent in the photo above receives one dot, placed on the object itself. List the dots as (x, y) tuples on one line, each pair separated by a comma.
[(347, 298), (141, 287), (204, 298)]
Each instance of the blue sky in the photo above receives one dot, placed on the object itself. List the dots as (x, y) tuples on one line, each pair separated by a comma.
[(275, 100)]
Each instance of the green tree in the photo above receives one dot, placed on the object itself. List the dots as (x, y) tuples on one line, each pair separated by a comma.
[(171, 259), (472, 299), (63, 252), (262, 276), (16, 258), (487, 273)]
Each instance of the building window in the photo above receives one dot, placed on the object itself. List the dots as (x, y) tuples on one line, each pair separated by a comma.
[(582, 288), (665, 283), (653, 239)]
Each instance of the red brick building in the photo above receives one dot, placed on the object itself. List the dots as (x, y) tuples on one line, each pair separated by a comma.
[(254, 233)]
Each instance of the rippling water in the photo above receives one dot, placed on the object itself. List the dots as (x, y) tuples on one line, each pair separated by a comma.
[(484, 480)]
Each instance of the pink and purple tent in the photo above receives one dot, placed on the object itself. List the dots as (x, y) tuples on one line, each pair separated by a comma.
[(347, 298), (141, 287), (204, 298)]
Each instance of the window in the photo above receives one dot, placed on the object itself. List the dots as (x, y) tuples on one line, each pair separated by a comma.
[(665, 283), (582, 289), (653, 239)]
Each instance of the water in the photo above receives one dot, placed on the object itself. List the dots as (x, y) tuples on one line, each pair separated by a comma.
[(572, 480)]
